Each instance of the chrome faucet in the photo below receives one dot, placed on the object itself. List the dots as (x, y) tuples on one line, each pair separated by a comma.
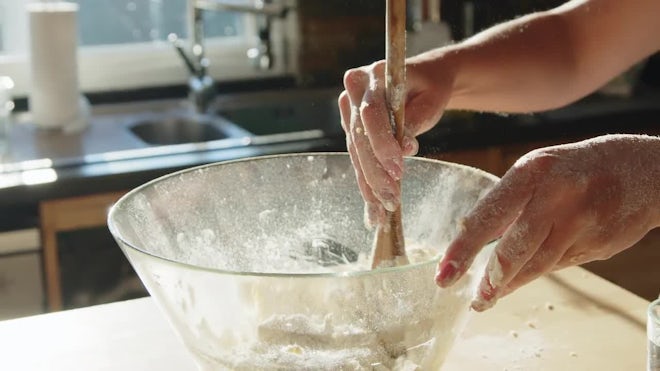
[(201, 86)]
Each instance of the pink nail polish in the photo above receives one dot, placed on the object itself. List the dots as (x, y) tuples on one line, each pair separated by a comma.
[(447, 274)]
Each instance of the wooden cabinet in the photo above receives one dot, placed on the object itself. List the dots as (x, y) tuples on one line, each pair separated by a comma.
[(63, 215), (487, 159)]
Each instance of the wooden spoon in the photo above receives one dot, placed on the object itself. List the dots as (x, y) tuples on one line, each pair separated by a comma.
[(389, 247)]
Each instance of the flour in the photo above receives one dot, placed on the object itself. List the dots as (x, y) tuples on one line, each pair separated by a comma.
[(241, 288), (393, 320), (494, 271)]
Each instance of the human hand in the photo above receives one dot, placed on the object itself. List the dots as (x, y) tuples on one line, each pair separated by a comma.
[(376, 155), (556, 207)]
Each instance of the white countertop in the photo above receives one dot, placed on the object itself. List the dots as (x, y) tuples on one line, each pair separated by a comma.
[(569, 320)]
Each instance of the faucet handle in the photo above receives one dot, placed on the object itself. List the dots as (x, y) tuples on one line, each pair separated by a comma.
[(178, 46), (261, 56)]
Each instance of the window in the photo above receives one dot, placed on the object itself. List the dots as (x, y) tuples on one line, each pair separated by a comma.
[(123, 43)]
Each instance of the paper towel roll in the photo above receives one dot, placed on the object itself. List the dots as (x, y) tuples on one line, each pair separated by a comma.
[(55, 100)]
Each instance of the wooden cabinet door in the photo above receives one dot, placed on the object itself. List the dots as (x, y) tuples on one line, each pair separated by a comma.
[(62, 215)]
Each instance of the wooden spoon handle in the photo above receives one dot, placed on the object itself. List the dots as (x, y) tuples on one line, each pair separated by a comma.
[(389, 243), (395, 63)]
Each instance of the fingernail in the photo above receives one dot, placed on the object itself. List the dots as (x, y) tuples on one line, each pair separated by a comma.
[(394, 169), (486, 296), (409, 146), (389, 201), (390, 206), (480, 304), (447, 274)]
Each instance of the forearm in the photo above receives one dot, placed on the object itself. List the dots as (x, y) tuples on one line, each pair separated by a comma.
[(547, 59), (523, 65)]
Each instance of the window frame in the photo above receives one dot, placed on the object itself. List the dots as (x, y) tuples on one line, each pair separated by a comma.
[(155, 64)]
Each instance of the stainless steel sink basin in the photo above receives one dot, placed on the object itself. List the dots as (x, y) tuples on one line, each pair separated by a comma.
[(169, 129), (285, 112), (138, 130)]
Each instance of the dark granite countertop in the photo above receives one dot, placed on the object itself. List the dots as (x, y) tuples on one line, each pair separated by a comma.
[(592, 116)]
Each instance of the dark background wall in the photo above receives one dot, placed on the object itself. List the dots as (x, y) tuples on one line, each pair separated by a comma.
[(340, 34)]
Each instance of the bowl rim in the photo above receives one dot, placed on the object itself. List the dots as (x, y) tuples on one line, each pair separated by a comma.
[(358, 273)]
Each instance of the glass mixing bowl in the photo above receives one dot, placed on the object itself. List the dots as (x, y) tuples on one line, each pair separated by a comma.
[(262, 264)]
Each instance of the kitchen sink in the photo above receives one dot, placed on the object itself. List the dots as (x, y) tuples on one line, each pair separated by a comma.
[(171, 129), (148, 129), (285, 112)]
